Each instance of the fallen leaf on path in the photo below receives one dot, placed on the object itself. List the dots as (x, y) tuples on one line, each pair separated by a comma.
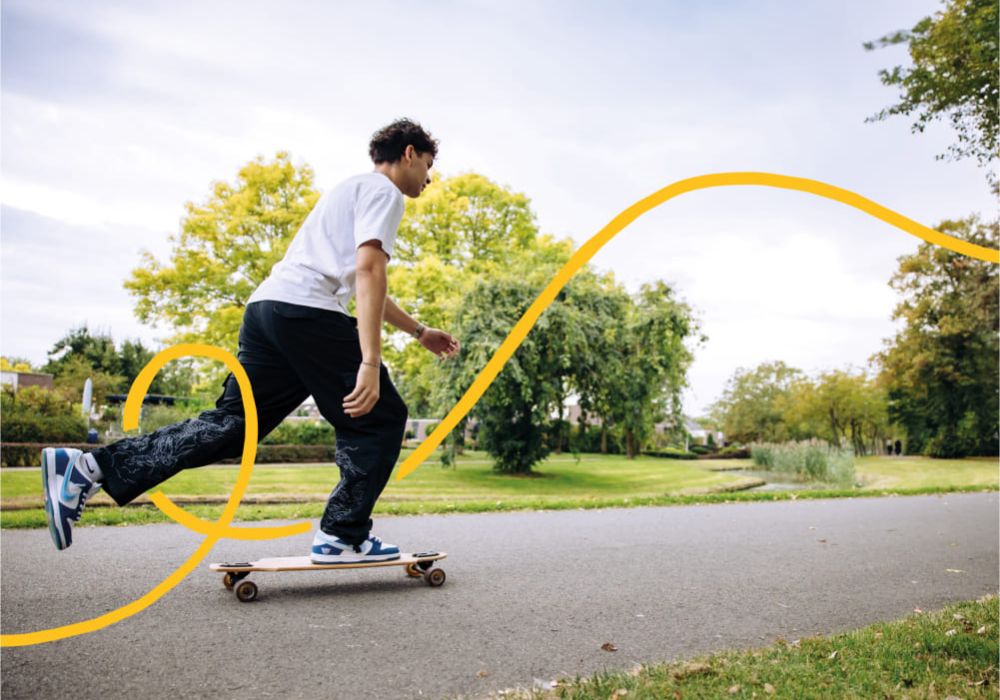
[(823, 541), (918, 611), (608, 646)]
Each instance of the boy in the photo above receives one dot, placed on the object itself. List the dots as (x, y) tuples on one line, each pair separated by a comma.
[(297, 340)]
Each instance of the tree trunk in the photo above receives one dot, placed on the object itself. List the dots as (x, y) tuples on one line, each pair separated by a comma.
[(604, 440)]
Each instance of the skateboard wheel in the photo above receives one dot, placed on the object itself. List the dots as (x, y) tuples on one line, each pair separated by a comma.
[(435, 577), (228, 581), (246, 591), (413, 570), (425, 565)]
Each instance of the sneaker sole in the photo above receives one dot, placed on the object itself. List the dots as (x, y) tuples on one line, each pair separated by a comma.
[(339, 559), (49, 477)]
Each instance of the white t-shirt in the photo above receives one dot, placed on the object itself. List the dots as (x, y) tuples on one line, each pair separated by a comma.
[(319, 267)]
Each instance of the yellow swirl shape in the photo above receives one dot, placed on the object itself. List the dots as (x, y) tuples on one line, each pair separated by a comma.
[(214, 531), (590, 248)]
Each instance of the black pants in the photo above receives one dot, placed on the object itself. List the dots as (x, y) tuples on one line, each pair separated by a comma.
[(289, 352)]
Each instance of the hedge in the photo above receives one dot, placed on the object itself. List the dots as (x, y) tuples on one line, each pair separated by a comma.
[(733, 452), (671, 454), (275, 454), (26, 454)]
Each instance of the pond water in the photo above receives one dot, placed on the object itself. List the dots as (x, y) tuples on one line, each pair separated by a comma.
[(773, 481)]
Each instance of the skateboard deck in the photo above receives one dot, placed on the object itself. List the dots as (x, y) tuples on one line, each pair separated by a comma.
[(417, 565)]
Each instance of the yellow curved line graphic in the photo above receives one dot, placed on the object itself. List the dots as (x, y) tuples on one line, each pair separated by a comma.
[(596, 242), (213, 532), (221, 528)]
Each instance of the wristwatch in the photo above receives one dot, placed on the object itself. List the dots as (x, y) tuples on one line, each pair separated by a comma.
[(419, 330)]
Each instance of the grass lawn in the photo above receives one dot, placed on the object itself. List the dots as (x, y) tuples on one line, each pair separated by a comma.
[(916, 472), (561, 482), (946, 653)]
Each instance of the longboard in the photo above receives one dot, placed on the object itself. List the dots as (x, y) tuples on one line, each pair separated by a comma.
[(417, 565)]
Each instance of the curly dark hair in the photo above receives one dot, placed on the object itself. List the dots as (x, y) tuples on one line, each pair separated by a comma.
[(389, 142)]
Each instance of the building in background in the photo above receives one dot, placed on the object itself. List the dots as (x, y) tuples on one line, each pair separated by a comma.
[(21, 379)]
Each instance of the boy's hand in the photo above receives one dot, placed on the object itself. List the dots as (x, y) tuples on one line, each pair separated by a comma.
[(439, 343), (365, 394)]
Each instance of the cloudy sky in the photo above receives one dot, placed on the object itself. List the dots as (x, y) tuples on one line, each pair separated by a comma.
[(115, 114)]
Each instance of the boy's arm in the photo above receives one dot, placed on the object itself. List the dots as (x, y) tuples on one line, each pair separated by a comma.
[(371, 287), (399, 318), (370, 297)]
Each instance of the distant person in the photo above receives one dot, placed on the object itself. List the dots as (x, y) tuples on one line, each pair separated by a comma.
[(888, 448), (899, 447), (296, 340)]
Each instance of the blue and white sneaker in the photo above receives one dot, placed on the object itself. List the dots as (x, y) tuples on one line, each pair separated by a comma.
[(67, 488), (327, 549)]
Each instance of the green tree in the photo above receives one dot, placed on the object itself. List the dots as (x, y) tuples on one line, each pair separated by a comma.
[(941, 369), (75, 372), (466, 221), (96, 349), (601, 374), (649, 369), (514, 411), (225, 249), (845, 408), (753, 403), (954, 75), (624, 358), (82, 353), (459, 229)]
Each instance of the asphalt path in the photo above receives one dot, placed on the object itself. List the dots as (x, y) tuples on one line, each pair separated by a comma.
[(529, 597)]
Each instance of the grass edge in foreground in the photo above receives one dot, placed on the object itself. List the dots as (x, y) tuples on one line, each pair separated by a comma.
[(313, 509), (948, 652)]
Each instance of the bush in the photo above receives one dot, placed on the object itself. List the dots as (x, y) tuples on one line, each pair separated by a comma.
[(671, 453), (34, 414), (160, 415), (301, 433), (275, 454), (734, 452), (702, 449), (809, 460), (28, 454)]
